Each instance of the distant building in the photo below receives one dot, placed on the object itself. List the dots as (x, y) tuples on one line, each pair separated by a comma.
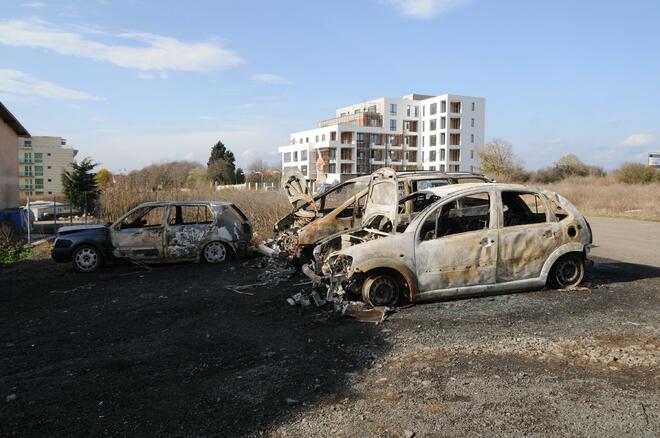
[(654, 159), (10, 131), (41, 161), (414, 132)]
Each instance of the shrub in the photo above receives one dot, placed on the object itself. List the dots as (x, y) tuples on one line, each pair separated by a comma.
[(11, 245), (636, 173)]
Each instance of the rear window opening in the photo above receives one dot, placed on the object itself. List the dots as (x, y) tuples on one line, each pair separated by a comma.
[(238, 213)]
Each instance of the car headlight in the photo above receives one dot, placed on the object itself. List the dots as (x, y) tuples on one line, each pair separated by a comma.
[(338, 264)]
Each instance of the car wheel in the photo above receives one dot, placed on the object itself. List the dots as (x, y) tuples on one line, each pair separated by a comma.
[(87, 258), (380, 290), (568, 271), (215, 252)]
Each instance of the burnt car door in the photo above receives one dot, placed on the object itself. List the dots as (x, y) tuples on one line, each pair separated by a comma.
[(456, 244), (382, 203), (139, 234), (528, 235), (187, 224)]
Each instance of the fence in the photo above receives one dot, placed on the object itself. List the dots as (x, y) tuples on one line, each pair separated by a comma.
[(253, 186)]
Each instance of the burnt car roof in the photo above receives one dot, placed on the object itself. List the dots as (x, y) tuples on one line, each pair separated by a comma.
[(444, 191), (163, 203)]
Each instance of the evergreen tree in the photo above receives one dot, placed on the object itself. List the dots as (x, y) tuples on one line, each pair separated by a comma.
[(79, 185), (222, 164)]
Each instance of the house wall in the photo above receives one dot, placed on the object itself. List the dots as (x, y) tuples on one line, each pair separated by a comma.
[(8, 168)]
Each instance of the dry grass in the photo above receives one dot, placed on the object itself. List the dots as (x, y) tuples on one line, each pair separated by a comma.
[(263, 208), (605, 197)]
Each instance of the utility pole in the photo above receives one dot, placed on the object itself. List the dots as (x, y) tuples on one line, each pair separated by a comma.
[(29, 225)]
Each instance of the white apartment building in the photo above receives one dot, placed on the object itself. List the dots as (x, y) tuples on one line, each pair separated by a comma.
[(412, 133), (41, 161)]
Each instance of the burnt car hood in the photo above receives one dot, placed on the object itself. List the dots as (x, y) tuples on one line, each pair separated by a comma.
[(79, 228), (382, 202), (295, 187)]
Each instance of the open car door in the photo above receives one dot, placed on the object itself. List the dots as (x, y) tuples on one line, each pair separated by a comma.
[(381, 206)]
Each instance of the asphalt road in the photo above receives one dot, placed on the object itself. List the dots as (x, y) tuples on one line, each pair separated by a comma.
[(626, 240)]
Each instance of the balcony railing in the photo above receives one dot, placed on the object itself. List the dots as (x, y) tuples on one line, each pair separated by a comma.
[(26, 174), (360, 119), (26, 161)]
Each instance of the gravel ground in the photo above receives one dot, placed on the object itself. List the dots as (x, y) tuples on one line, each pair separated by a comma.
[(178, 351)]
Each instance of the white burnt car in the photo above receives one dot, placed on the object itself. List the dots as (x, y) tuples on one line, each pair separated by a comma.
[(471, 239)]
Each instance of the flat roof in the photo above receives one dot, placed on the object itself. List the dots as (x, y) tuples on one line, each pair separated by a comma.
[(13, 122)]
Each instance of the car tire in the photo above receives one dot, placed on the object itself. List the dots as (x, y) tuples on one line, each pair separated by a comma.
[(215, 253), (381, 290), (87, 258), (568, 271)]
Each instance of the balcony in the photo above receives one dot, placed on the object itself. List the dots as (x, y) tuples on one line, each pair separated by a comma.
[(26, 161), (25, 187), (361, 119), (26, 174)]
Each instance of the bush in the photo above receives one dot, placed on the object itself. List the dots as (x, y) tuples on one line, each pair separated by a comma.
[(11, 245), (636, 173)]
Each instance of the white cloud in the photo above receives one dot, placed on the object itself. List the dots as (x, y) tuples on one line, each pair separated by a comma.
[(638, 140), (270, 78), (425, 9), (146, 53), (34, 5), (17, 83)]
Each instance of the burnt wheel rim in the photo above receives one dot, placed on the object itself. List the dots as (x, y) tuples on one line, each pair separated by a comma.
[(215, 252), (383, 292), (86, 259), (568, 272)]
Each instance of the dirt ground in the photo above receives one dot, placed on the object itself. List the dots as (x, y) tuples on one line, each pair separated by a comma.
[(173, 351)]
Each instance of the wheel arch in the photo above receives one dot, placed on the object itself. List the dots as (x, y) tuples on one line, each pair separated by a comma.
[(403, 273), (231, 248), (574, 247)]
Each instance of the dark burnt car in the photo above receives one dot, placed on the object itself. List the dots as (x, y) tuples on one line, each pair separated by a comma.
[(205, 231), (341, 207)]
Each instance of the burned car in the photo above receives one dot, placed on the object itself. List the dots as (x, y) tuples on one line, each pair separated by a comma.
[(341, 207), (206, 231), (474, 239)]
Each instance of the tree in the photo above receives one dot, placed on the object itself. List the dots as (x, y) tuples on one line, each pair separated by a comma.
[(498, 160), (240, 176), (103, 178), (570, 165), (197, 178), (221, 173), (259, 165), (79, 185)]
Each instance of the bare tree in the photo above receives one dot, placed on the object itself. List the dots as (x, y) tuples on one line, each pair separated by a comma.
[(498, 160)]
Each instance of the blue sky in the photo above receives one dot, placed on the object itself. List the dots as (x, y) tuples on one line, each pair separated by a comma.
[(134, 82)]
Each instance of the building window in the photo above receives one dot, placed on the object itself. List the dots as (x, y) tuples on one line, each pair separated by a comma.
[(332, 168), (293, 141), (432, 156), (454, 139), (306, 139), (443, 122), (38, 157), (317, 138), (454, 155), (371, 109), (303, 169), (443, 139), (408, 110), (360, 136), (392, 125), (442, 168), (333, 136), (443, 106), (455, 122), (295, 156), (303, 155), (423, 110), (287, 157), (423, 126), (333, 154), (431, 167), (432, 140), (422, 156), (472, 121), (442, 154), (39, 170), (373, 139), (473, 107), (27, 143), (433, 125), (472, 154), (471, 138), (393, 109), (423, 141), (433, 109), (416, 111), (455, 107)]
